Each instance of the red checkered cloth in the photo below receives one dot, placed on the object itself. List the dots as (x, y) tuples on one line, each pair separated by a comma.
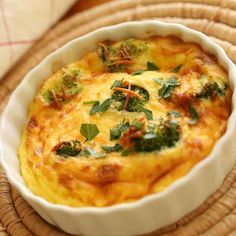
[(22, 22)]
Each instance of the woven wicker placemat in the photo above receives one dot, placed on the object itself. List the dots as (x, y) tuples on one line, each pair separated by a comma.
[(216, 18)]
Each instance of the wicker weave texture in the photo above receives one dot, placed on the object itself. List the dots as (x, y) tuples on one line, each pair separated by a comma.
[(216, 18)]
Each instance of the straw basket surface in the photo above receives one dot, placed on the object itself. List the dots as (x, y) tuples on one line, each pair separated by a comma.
[(216, 18)]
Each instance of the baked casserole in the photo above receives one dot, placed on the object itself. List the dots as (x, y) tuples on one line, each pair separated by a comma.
[(123, 122)]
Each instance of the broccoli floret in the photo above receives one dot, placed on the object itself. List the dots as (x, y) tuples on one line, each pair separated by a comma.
[(71, 72), (118, 99), (66, 149), (166, 134), (134, 104), (64, 88), (143, 92), (212, 89), (118, 56), (71, 87), (47, 96)]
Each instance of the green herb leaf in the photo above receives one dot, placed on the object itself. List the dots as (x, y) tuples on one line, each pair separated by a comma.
[(177, 68), (168, 86), (162, 91), (124, 126), (194, 115), (174, 113), (138, 72), (116, 132), (105, 105), (90, 102), (125, 153), (172, 80), (137, 124), (159, 81), (117, 83), (97, 107), (148, 113), (165, 91), (89, 131), (117, 147), (152, 66), (94, 108)]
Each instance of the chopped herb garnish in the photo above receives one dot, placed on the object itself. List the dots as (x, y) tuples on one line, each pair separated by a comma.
[(165, 91), (174, 113), (138, 72), (159, 81), (137, 124), (116, 148), (105, 105), (125, 153), (95, 108), (152, 66), (69, 148), (177, 68), (117, 83), (90, 102), (167, 87), (148, 113), (89, 131), (116, 132), (194, 115)]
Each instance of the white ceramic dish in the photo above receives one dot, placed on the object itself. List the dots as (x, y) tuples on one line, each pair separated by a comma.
[(151, 212)]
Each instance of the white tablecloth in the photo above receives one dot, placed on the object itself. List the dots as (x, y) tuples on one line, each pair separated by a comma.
[(22, 22)]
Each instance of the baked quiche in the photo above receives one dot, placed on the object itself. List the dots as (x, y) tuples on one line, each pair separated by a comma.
[(123, 122)]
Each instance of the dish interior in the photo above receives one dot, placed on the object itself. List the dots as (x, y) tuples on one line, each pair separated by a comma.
[(125, 121)]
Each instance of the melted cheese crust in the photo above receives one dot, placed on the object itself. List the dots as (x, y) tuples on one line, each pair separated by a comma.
[(82, 181)]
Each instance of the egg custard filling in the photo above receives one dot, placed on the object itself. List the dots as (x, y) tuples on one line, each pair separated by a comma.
[(123, 122)]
